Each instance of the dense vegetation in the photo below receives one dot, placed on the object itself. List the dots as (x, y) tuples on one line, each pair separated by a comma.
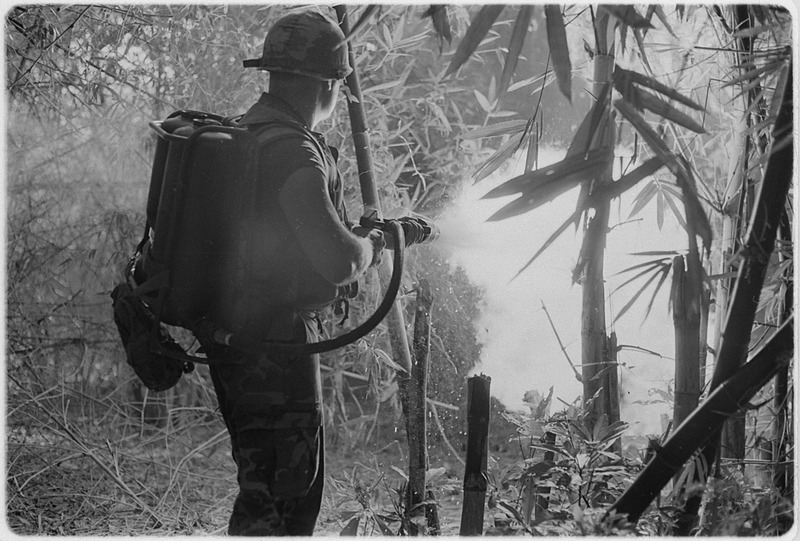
[(449, 92)]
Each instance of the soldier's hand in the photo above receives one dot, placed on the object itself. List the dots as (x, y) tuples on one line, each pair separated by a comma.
[(375, 236)]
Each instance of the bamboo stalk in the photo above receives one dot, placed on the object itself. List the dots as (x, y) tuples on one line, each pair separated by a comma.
[(687, 344), (369, 192), (782, 475), (475, 472), (594, 341), (416, 428), (704, 424), (701, 429), (541, 499)]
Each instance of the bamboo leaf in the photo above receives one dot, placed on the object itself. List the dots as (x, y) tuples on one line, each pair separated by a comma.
[(594, 129), (625, 78), (527, 203), (401, 87), (646, 100), (477, 30), (496, 160), (382, 86), (483, 101), (670, 200), (754, 74), (650, 136), (361, 22), (623, 36), (664, 276), (664, 256), (629, 180), (515, 46), (695, 215), (637, 34), (441, 23), (660, 210), (659, 9), (559, 49), (557, 233), (509, 127), (635, 297), (385, 530), (751, 32), (648, 267), (642, 198), (665, 253), (351, 529), (628, 15), (564, 171), (531, 80), (651, 10), (542, 446)]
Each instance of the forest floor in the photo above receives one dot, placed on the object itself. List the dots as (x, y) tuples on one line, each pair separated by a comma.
[(79, 479)]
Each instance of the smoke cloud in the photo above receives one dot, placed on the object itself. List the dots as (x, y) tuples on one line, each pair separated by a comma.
[(520, 349)]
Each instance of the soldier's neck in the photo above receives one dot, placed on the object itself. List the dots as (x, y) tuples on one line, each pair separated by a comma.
[(305, 103)]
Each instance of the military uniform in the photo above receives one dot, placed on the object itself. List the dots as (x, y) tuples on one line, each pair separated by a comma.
[(271, 403)]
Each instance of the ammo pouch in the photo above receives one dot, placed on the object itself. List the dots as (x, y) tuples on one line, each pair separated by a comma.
[(136, 325)]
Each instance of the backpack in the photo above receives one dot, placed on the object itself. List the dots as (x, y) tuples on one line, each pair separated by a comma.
[(202, 181)]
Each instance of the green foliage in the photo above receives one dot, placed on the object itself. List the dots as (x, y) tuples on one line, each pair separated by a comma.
[(736, 508), (566, 476)]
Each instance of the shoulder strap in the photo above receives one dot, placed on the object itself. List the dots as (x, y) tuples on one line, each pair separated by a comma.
[(279, 129)]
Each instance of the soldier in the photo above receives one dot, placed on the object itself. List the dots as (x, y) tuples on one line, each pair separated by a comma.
[(303, 253)]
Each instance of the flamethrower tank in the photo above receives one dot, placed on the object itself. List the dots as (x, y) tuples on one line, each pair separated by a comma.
[(204, 186)]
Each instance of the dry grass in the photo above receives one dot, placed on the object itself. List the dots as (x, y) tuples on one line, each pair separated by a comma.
[(114, 472)]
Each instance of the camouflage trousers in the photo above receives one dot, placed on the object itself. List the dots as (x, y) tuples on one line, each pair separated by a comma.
[(271, 407), (280, 483)]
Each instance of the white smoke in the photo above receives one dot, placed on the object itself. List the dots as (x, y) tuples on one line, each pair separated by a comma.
[(520, 349)]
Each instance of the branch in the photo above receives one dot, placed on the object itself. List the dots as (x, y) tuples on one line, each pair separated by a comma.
[(561, 344)]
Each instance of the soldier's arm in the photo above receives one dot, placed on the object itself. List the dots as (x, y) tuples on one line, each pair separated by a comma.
[(336, 254)]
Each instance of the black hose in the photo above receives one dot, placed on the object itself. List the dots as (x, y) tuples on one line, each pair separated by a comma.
[(249, 345)]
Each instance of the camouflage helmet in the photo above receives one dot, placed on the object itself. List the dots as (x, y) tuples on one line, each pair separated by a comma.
[(306, 43)]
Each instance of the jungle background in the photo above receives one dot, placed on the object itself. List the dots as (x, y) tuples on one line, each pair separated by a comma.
[(90, 452)]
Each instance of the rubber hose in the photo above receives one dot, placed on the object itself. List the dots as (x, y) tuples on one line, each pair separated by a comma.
[(248, 345)]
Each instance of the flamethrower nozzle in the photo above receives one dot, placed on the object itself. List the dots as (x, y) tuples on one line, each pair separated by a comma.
[(417, 230)]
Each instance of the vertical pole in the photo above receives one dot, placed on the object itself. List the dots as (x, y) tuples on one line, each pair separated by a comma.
[(594, 339), (782, 475), (358, 121), (541, 501), (475, 472), (687, 343), (369, 191), (416, 428)]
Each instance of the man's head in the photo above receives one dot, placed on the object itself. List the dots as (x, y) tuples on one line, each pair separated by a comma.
[(306, 55)]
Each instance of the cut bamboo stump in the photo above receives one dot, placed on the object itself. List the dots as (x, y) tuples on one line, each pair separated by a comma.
[(475, 476), (419, 513)]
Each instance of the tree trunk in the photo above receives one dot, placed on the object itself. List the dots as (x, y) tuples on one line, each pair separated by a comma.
[(598, 367)]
